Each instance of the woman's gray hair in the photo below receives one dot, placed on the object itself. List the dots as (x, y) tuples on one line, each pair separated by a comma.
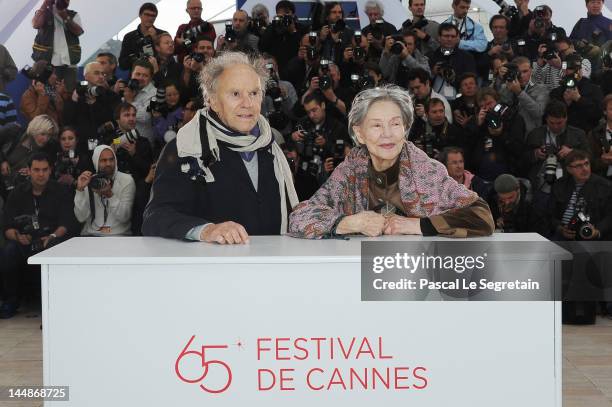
[(374, 4), (366, 98), (42, 124), (209, 77)]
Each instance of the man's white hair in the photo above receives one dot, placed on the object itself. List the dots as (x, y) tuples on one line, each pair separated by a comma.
[(370, 4)]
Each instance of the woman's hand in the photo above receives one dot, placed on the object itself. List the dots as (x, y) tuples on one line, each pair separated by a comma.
[(368, 223), (400, 225)]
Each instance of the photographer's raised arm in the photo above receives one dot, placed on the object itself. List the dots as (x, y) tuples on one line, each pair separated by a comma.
[(41, 14)]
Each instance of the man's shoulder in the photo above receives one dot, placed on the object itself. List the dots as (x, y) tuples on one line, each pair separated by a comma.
[(123, 178)]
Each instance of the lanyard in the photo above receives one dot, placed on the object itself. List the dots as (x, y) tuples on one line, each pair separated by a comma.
[(36, 206)]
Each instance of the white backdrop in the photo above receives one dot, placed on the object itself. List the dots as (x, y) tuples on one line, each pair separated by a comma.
[(104, 19)]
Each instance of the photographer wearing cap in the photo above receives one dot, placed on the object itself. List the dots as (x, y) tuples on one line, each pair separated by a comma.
[(57, 41), (581, 202), (103, 201), (400, 55), (37, 215), (139, 43), (91, 104), (520, 91), (511, 205), (582, 97), (196, 27)]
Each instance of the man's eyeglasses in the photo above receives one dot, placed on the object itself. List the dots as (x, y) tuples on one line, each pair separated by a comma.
[(585, 164)]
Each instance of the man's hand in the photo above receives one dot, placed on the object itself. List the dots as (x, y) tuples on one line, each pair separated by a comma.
[(567, 233), (388, 44), (297, 136), (106, 192), (39, 87), (368, 223), (119, 87), (302, 53), (324, 33), (564, 151), (314, 84), (328, 165), (515, 87), (555, 62), (152, 32), (151, 174), (63, 13), (66, 179), (496, 132), (5, 168), (606, 158), (225, 233), (436, 68), (496, 49), (129, 147), (25, 171), (320, 140), (461, 118), (400, 225), (348, 54), (220, 42), (153, 61), (420, 33), (540, 153), (83, 180), (482, 113), (419, 110)]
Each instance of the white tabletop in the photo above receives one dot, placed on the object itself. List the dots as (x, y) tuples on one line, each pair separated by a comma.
[(261, 249)]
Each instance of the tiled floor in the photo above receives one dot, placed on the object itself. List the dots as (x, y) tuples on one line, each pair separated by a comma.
[(587, 359)]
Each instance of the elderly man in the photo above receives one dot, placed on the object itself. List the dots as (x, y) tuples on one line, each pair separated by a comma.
[(196, 27), (224, 177), (378, 29)]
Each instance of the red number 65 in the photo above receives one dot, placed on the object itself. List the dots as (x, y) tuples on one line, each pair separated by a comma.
[(205, 365)]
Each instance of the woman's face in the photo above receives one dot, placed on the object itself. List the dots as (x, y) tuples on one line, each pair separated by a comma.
[(238, 97), (41, 139), (172, 95), (68, 140), (383, 133)]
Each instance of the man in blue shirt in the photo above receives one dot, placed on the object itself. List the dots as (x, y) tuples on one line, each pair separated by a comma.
[(595, 28)]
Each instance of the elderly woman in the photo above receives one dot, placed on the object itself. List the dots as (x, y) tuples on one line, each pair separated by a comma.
[(387, 185), (224, 177)]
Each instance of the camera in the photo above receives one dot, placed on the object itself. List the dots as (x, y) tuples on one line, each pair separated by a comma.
[(65, 164), (42, 76), (358, 52), (282, 23), (398, 45), (146, 47), (109, 133), (30, 225), (377, 29), (310, 153), (361, 82), (411, 26), (512, 74), (134, 85), (190, 35), (99, 181), (581, 224), (230, 34), (277, 118), (506, 9), (446, 70), (339, 152), (158, 102), (539, 17), (325, 81), (569, 82), (311, 52), (338, 26), (550, 165), (257, 25), (13, 180), (496, 116), (85, 89), (197, 56), (428, 139)]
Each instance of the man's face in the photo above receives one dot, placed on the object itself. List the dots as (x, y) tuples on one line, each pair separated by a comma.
[(410, 43), (594, 7), (238, 97), (335, 14), (127, 119), (455, 165), (469, 87), (95, 75), (500, 30), (436, 114), (580, 170), (373, 14), (334, 74), (449, 39), (166, 46), (461, 9), (508, 200), (315, 111), (239, 21), (206, 48), (106, 162), (564, 49), (488, 103), (107, 67), (556, 124), (524, 73), (419, 89), (142, 75), (194, 9), (147, 19), (39, 173), (418, 8)]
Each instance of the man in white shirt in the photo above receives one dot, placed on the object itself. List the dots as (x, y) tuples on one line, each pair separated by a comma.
[(142, 72), (104, 201)]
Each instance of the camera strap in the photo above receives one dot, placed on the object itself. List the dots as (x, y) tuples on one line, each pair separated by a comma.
[(36, 205)]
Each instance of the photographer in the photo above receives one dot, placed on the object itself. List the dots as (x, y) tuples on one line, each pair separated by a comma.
[(91, 104), (103, 201), (465, 107), (595, 28), (355, 58), (196, 27), (203, 51), (57, 40), (548, 145), (601, 140), (511, 205), (499, 144), (449, 62), (46, 94), (169, 119), (582, 97), (425, 30), (280, 99), (301, 68), (260, 19), (337, 98), (70, 162), (141, 96), (139, 43), (399, 56), (109, 67), (335, 36), (134, 154), (166, 67), (521, 92), (418, 82), (581, 202), (317, 139), (567, 52), (282, 37), (37, 215), (237, 36), (378, 29), (454, 161), (501, 42)]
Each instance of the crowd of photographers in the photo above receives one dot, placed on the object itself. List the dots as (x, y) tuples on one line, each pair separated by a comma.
[(524, 120)]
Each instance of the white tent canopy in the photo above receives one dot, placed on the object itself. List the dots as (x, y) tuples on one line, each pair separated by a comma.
[(105, 19)]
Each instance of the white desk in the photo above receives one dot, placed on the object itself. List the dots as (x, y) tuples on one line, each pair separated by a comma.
[(117, 312)]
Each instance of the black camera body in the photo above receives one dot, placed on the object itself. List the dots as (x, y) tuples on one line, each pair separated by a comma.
[(197, 56), (581, 224), (30, 225), (158, 102), (495, 117), (569, 82), (99, 181), (362, 82), (84, 89), (230, 33), (339, 149), (42, 76), (312, 53), (338, 26), (411, 26), (325, 81), (377, 29), (145, 44), (446, 69), (506, 9), (539, 14), (512, 74), (359, 53), (66, 164), (190, 35), (398, 45)]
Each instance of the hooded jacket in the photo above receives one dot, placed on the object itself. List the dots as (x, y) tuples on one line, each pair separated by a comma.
[(118, 207)]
